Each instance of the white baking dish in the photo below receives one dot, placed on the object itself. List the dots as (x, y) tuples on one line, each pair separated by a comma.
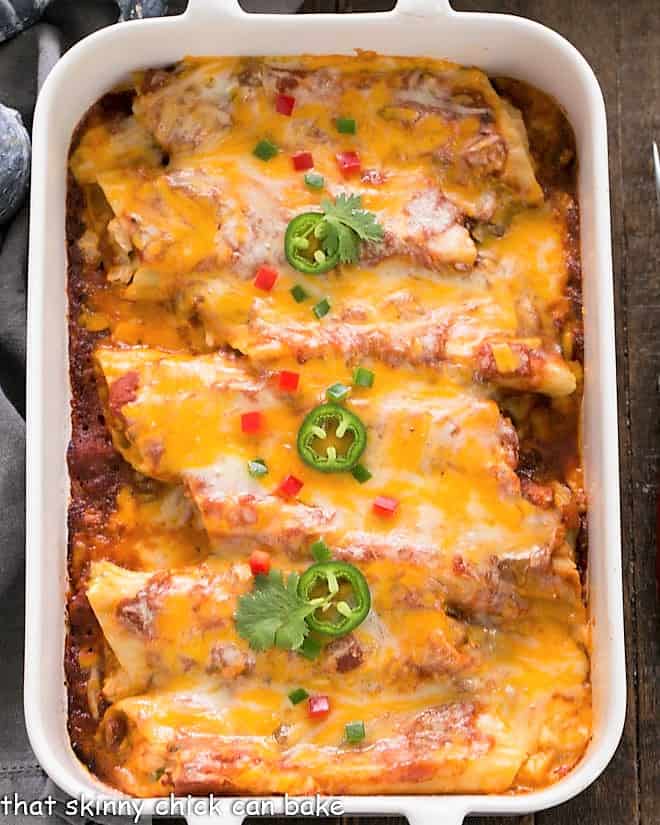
[(500, 45)]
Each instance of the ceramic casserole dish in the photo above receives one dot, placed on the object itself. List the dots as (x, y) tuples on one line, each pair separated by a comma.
[(500, 45)]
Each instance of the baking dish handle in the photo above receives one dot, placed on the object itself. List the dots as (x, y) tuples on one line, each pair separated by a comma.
[(425, 812), (216, 9), (442, 814), (424, 8), (232, 8)]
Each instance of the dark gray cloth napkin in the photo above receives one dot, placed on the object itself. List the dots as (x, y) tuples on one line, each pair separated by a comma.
[(19, 772)]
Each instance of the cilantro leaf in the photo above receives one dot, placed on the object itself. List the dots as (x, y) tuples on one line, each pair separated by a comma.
[(347, 210), (348, 241), (329, 237), (273, 614)]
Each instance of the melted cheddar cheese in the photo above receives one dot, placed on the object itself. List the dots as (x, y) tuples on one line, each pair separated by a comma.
[(471, 671)]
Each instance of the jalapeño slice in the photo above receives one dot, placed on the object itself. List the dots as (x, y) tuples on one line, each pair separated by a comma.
[(331, 439), (346, 596), (304, 245)]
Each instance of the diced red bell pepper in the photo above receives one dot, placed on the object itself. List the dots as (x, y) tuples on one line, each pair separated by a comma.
[(265, 278), (288, 381), (349, 163), (318, 707), (385, 506), (291, 486), (251, 422), (302, 161), (284, 104), (259, 562)]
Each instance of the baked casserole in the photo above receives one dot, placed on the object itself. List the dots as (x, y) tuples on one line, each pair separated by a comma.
[(327, 520)]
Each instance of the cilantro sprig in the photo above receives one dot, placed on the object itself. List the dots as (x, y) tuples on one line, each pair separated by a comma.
[(315, 242), (345, 225), (273, 614), (281, 611)]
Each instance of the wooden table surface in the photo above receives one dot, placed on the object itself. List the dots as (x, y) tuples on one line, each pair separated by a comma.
[(621, 41)]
